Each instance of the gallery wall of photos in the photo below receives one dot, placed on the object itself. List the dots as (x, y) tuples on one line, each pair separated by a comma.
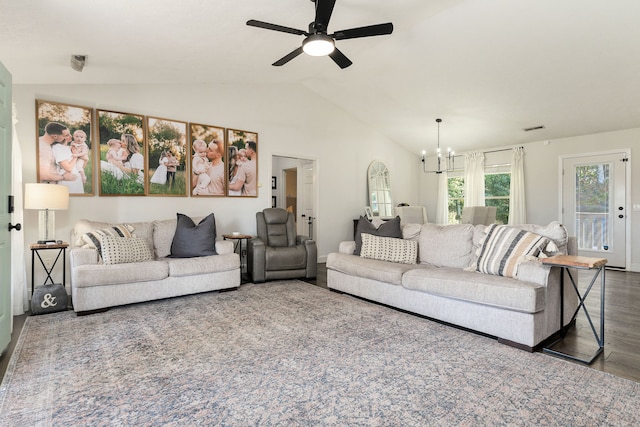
[(112, 153)]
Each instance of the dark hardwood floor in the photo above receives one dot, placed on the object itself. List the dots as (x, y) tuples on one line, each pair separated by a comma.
[(621, 355)]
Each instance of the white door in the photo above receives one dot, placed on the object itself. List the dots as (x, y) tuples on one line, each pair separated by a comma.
[(594, 205), (306, 197), (5, 215)]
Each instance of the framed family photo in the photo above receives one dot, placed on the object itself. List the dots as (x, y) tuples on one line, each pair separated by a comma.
[(167, 154), (242, 163), (122, 154), (206, 157), (64, 147)]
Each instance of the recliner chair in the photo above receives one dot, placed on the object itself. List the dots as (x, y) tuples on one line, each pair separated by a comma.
[(478, 215), (412, 214), (277, 252)]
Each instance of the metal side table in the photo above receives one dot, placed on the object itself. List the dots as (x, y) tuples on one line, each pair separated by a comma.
[(566, 262)]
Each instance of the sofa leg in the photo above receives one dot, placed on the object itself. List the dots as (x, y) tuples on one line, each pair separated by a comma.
[(86, 313), (516, 345)]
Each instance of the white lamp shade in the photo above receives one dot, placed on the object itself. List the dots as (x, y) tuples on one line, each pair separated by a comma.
[(46, 196)]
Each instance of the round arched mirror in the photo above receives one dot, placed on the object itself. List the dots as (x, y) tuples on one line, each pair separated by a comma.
[(379, 190)]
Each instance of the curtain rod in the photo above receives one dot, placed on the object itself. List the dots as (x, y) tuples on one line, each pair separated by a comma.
[(491, 151)]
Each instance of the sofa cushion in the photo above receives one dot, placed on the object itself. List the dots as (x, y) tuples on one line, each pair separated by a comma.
[(505, 247), (446, 245), (381, 271), (389, 249), (202, 265), (191, 240), (390, 228), (141, 229), (99, 274), (476, 287), (119, 250)]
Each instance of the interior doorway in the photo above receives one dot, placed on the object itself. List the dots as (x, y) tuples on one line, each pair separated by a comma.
[(294, 189)]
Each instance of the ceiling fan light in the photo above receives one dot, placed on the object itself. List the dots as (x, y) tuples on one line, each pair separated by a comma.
[(318, 45)]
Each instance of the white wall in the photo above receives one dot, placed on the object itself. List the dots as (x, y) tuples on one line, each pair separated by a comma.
[(287, 124), (543, 180)]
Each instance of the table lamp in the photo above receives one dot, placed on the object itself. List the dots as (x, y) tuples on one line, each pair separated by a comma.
[(46, 198)]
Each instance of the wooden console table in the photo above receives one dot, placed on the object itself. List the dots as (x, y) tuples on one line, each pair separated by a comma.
[(567, 262)]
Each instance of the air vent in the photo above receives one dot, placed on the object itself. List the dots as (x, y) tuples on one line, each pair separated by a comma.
[(533, 128)]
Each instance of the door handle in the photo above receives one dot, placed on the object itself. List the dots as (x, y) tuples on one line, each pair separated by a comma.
[(18, 226)]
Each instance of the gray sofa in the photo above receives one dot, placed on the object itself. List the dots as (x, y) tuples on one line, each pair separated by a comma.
[(96, 286), (522, 311)]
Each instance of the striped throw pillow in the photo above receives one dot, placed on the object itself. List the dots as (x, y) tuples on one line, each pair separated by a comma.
[(93, 239), (389, 249), (505, 247)]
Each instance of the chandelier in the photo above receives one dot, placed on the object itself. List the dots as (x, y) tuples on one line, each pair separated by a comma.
[(450, 156)]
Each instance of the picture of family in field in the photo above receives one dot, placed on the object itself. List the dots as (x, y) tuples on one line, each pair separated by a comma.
[(242, 154), (207, 160), (167, 157), (122, 154), (64, 146)]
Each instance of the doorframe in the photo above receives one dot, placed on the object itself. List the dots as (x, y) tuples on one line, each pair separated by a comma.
[(627, 196), (316, 190)]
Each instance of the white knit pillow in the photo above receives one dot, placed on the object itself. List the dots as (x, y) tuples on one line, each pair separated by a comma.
[(93, 239), (120, 250), (389, 249)]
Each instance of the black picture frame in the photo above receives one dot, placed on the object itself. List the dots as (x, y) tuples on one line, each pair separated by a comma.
[(273, 201), (273, 182)]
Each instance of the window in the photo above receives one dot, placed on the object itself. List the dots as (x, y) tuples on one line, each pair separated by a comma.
[(496, 193)]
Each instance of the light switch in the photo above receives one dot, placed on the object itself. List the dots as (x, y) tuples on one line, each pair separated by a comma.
[(636, 207)]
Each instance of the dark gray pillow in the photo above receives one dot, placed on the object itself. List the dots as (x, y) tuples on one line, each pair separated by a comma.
[(390, 228), (193, 240)]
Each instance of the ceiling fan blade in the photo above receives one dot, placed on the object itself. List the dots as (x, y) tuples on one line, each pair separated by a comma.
[(368, 31), (324, 9), (339, 58), (274, 27), (288, 57)]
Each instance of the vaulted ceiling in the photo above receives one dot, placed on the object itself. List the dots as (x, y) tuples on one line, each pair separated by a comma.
[(488, 68)]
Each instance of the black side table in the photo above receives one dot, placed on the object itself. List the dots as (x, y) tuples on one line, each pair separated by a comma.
[(238, 248), (35, 252)]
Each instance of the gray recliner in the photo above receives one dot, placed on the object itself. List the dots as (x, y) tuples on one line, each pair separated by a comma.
[(277, 252)]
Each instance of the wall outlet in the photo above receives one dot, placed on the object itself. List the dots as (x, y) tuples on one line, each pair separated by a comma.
[(636, 207)]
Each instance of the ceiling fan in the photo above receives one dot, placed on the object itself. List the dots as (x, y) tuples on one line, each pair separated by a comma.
[(317, 41)]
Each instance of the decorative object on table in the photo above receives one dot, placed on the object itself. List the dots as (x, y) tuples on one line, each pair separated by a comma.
[(65, 150), (167, 152), (242, 166), (213, 137), (450, 157), (368, 213), (49, 299), (379, 190), (317, 41), (122, 166), (46, 198)]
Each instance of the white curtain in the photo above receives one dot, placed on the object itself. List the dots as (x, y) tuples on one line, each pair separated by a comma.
[(474, 179), (19, 299), (442, 207), (517, 200)]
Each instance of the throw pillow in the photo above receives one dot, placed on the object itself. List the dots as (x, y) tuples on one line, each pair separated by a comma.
[(120, 250), (390, 228), (389, 249), (505, 247), (93, 239), (191, 240)]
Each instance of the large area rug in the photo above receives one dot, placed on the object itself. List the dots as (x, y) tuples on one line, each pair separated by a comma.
[(290, 353)]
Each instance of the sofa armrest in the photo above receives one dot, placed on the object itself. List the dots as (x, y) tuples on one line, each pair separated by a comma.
[(347, 247), (533, 271), (82, 256), (256, 259), (224, 247)]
